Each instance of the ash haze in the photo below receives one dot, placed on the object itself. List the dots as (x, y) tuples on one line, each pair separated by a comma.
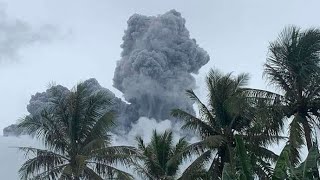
[(235, 34)]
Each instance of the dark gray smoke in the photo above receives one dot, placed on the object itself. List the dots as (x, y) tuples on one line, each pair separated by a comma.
[(155, 70), (157, 63), (124, 112), (40, 101)]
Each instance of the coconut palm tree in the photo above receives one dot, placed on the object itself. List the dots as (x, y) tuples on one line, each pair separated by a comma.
[(293, 67), (74, 132), (160, 159), (233, 109)]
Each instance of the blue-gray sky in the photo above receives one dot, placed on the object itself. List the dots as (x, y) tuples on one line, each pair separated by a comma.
[(236, 35)]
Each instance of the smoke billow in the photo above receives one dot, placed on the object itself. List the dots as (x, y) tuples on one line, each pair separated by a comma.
[(43, 100), (155, 70), (40, 101), (157, 63)]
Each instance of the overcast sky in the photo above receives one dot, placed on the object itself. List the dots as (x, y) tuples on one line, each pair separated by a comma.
[(87, 43), (74, 40)]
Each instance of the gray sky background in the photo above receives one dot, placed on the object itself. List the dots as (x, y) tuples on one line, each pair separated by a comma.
[(236, 35)]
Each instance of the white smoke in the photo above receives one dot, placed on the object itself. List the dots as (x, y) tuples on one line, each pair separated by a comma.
[(144, 128)]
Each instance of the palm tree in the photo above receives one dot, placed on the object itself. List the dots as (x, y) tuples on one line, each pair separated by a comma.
[(233, 109), (74, 132), (161, 158), (293, 67)]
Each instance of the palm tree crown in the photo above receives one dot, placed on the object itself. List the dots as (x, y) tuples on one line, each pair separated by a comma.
[(74, 131), (161, 158), (233, 109), (293, 67)]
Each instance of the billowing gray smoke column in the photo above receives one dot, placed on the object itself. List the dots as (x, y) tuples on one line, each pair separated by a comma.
[(157, 63), (155, 70), (124, 112)]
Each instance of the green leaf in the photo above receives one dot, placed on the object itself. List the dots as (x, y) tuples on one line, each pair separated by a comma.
[(227, 173), (309, 168), (245, 165), (283, 164)]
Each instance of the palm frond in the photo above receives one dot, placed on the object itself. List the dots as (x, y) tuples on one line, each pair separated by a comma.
[(244, 160), (99, 128), (193, 123), (89, 173), (295, 139), (197, 168), (44, 161), (283, 166), (113, 155), (204, 111), (47, 128), (227, 173), (106, 170), (309, 168), (50, 174), (210, 142)]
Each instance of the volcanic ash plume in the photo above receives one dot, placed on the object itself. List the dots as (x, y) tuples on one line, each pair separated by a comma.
[(155, 70), (157, 63), (40, 101)]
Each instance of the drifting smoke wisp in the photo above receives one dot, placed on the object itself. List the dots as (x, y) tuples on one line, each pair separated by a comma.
[(16, 34), (157, 63)]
